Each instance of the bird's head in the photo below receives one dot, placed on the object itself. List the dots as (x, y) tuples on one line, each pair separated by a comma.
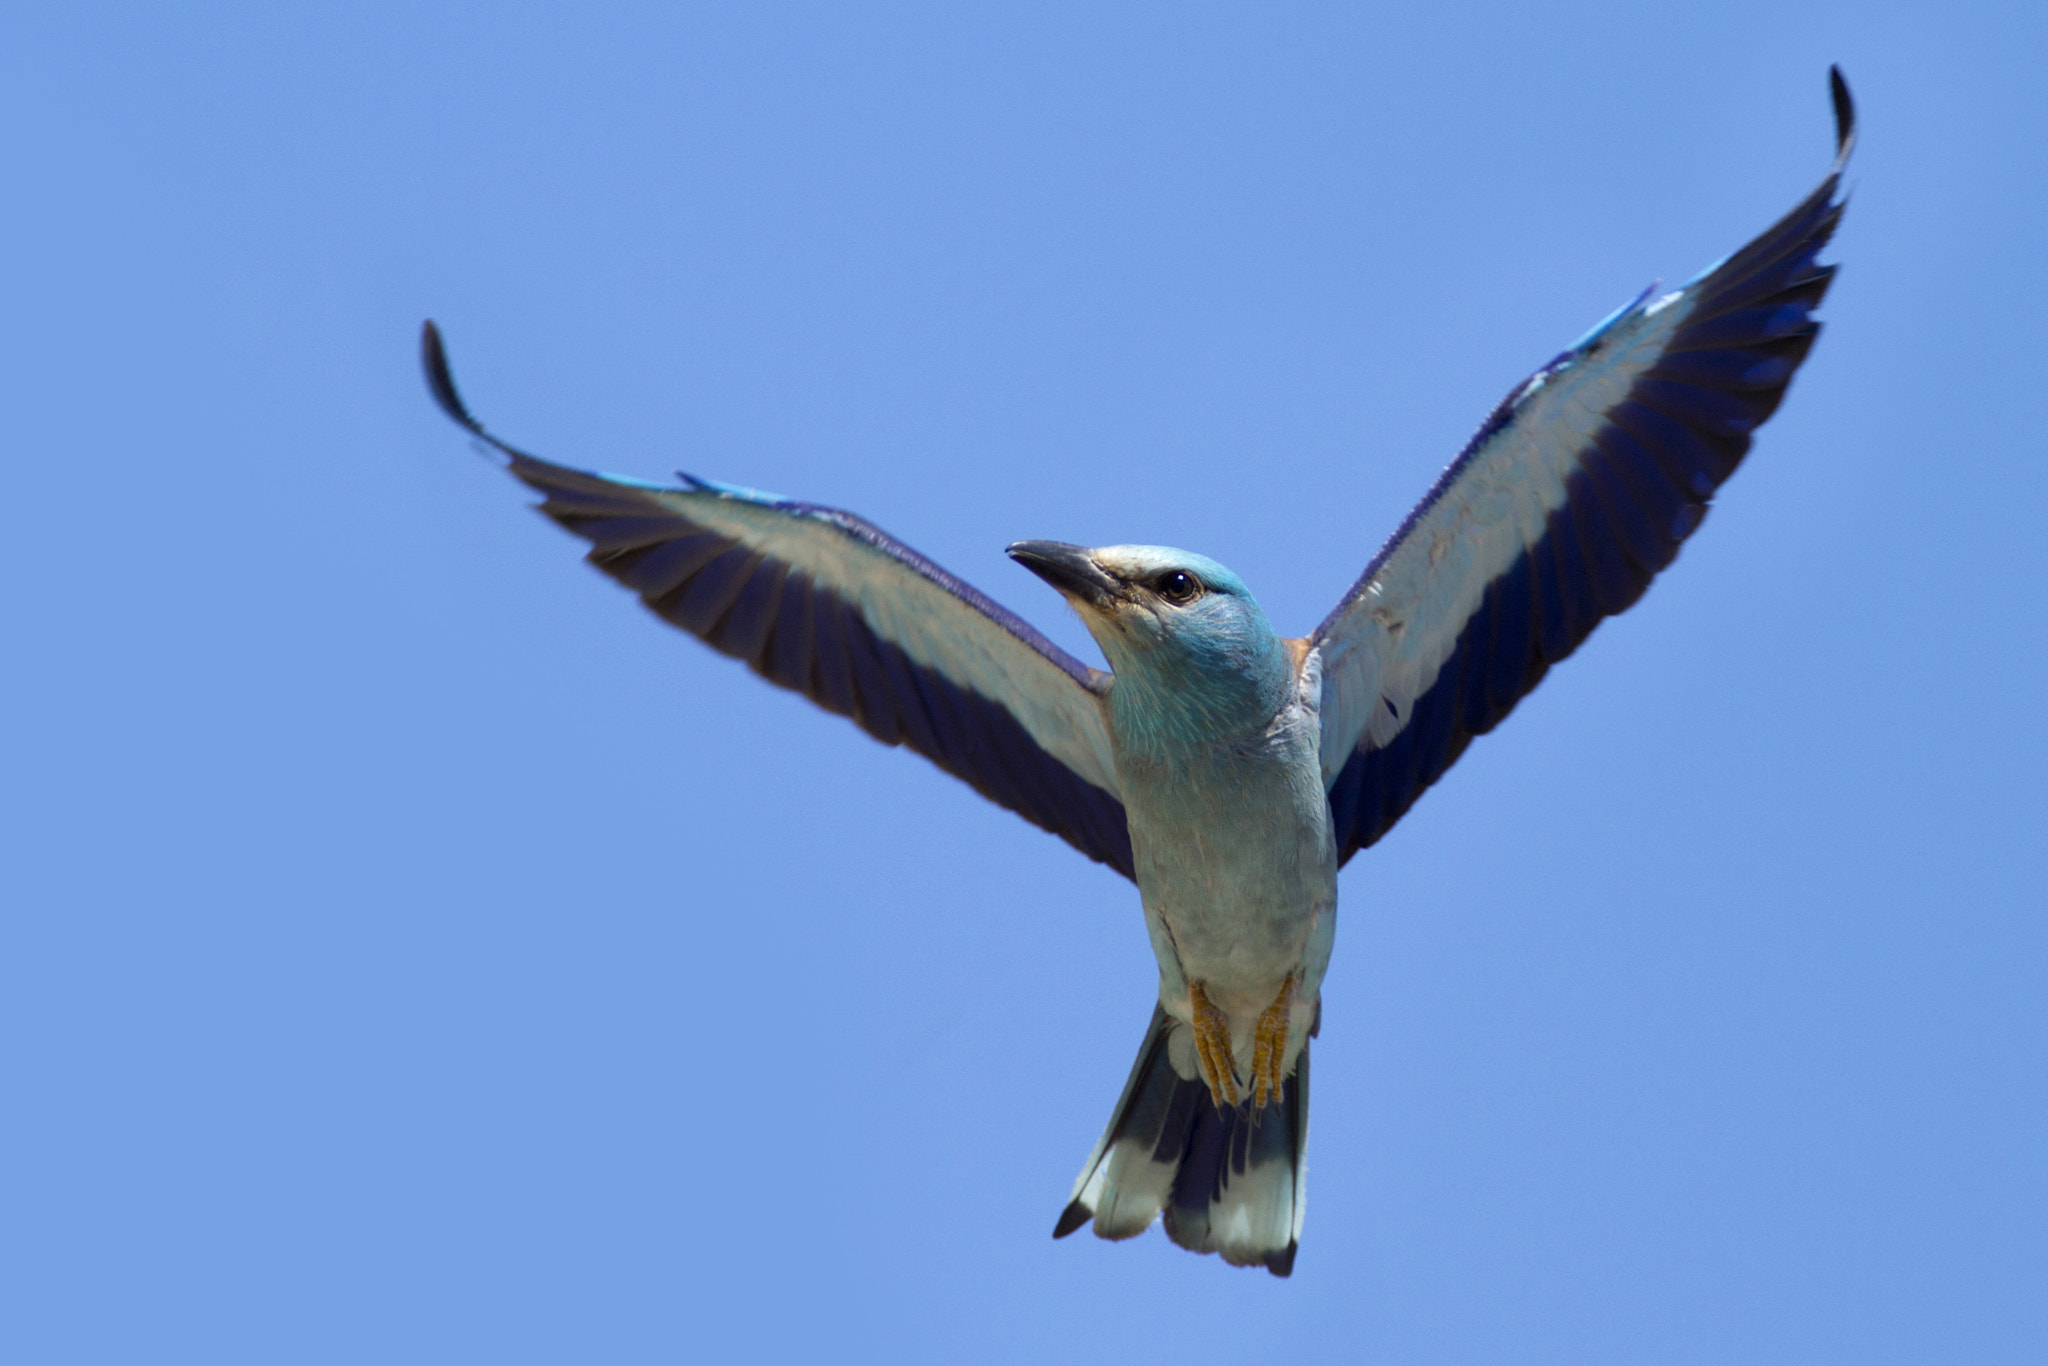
[(1181, 632)]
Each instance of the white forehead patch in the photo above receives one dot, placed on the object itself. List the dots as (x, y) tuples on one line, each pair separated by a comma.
[(1141, 562)]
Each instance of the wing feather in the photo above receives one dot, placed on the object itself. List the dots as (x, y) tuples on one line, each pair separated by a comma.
[(823, 603), (1575, 493)]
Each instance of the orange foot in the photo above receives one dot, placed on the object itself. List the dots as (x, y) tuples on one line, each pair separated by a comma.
[(1269, 1048), (1212, 1048)]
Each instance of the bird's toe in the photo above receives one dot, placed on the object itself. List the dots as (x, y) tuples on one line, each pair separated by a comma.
[(1212, 1047), (1269, 1048)]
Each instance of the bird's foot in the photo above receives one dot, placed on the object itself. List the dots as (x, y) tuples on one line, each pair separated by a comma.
[(1212, 1047), (1269, 1048)]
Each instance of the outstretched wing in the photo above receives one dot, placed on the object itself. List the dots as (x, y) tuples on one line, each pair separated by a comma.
[(823, 603), (1573, 495)]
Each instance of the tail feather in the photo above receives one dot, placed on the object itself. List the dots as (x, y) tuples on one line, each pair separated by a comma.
[(1227, 1180)]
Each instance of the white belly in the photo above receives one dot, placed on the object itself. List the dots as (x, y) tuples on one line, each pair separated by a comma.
[(1238, 871)]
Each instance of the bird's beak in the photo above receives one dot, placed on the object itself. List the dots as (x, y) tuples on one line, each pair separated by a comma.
[(1069, 568)]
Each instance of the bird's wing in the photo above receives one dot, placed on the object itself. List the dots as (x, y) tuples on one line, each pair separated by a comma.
[(824, 603), (1573, 495)]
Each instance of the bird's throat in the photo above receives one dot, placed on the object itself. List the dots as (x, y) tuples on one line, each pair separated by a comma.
[(1167, 702)]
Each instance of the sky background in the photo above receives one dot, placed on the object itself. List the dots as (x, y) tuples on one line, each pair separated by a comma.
[(414, 952)]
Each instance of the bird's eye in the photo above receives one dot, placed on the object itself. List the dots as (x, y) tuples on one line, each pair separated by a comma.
[(1178, 587)]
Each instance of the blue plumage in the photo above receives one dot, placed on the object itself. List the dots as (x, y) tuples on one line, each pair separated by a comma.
[(1227, 771)]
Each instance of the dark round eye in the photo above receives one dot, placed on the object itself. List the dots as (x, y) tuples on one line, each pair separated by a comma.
[(1178, 587)]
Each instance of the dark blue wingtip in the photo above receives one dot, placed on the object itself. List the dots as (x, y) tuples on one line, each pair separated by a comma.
[(1845, 114), (441, 384)]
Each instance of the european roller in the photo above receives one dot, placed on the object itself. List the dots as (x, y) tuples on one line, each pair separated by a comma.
[(1225, 769)]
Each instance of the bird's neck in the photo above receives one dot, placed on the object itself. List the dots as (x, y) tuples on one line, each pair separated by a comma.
[(1169, 701)]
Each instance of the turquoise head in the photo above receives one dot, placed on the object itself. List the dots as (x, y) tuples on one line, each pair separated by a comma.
[(1193, 654)]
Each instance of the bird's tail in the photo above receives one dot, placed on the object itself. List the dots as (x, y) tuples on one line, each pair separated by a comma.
[(1226, 1180)]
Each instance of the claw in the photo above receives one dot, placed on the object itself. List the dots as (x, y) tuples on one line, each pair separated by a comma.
[(1269, 1048), (1212, 1048)]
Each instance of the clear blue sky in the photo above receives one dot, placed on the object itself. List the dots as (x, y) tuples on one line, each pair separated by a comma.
[(413, 952)]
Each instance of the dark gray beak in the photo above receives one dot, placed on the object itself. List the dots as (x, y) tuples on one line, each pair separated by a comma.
[(1069, 568)]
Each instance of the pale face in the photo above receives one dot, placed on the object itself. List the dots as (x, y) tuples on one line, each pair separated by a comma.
[(1164, 597)]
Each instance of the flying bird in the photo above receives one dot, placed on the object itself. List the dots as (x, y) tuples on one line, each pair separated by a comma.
[(1225, 769)]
